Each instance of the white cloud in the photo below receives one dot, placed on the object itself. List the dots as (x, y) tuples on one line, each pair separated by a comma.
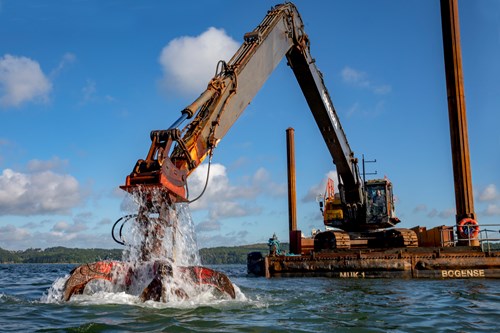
[(53, 164), (90, 94), (232, 238), (492, 210), (420, 208), (37, 193), (224, 200), (445, 214), (355, 77), (188, 63), (22, 80), (382, 89), (489, 193), (69, 228), (10, 233), (67, 59), (60, 226), (208, 226), (355, 108), (432, 213), (227, 209), (360, 79), (218, 185), (89, 91), (263, 180), (62, 234), (219, 188)]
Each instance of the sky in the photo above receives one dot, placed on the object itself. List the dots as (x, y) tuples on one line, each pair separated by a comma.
[(82, 84)]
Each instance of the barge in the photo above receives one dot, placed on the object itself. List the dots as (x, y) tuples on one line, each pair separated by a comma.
[(438, 256)]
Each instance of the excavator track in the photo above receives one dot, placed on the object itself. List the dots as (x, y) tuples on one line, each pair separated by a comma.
[(338, 239), (406, 237), (332, 239), (342, 240)]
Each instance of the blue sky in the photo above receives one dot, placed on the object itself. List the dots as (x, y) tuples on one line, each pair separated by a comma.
[(82, 83)]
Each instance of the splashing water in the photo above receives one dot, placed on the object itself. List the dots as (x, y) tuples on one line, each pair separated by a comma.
[(54, 293), (160, 261), (173, 240), (163, 233)]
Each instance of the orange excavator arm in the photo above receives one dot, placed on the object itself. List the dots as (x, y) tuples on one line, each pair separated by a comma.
[(176, 152)]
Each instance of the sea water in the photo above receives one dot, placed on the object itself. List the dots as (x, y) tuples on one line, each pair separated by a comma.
[(264, 305)]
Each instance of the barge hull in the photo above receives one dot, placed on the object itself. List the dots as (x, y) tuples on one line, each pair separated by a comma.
[(394, 263)]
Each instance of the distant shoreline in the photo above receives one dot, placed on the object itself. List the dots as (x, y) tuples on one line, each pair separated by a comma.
[(64, 255)]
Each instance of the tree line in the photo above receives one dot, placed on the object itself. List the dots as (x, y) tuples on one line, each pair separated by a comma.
[(228, 255), (208, 256), (58, 255)]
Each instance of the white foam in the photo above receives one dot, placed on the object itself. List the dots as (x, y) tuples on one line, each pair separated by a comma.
[(55, 292)]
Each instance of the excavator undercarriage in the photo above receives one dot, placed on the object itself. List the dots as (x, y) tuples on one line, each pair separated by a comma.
[(339, 239)]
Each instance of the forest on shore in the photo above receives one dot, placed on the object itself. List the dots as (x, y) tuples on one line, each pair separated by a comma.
[(224, 255), (208, 256)]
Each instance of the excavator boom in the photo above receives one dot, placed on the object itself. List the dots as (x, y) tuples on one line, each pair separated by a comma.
[(175, 152)]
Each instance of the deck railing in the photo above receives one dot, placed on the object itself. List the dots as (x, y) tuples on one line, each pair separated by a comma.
[(488, 236)]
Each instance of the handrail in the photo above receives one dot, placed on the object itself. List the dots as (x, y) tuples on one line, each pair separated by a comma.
[(486, 236)]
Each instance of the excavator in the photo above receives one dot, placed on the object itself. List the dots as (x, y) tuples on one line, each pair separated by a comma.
[(371, 223), (160, 180)]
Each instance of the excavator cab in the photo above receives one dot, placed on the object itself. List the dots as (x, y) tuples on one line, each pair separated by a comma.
[(379, 210), (380, 203)]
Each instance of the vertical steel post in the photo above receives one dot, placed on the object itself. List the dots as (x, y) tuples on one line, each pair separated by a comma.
[(456, 110), (292, 202)]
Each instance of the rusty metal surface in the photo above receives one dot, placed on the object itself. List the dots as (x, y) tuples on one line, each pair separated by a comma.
[(456, 110), (122, 275), (294, 234), (292, 201), (402, 263), (83, 274)]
